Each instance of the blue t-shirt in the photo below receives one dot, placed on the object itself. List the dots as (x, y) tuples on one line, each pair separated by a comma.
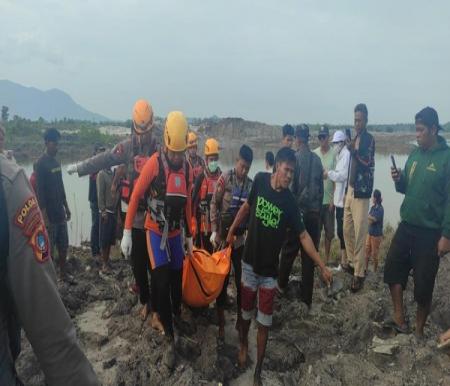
[(376, 228)]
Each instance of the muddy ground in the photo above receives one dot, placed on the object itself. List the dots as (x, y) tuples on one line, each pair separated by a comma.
[(337, 342)]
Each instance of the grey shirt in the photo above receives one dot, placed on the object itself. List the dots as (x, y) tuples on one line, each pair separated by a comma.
[(307, 185), (123, 153), (107, 200), (31, 283)]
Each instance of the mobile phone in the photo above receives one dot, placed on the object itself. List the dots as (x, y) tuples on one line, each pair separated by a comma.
[(348, 134), (393, 162)]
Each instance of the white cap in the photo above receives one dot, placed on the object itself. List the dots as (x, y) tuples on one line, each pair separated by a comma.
[(338, 136)]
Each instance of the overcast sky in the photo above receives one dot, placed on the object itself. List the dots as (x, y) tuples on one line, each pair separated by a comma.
[(273, 61)]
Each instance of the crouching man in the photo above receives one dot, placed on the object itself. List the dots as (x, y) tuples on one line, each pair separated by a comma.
[(271, 209)]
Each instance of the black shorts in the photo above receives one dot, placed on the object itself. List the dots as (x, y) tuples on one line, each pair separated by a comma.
[(413, 248), (108, 230)]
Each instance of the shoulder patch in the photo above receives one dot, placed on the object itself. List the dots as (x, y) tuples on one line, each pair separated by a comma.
[(29, 219), (27, 210), (220, 184)]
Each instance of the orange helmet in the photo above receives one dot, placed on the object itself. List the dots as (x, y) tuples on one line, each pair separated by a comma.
[(211, 147), (142, 117), (192, 140)]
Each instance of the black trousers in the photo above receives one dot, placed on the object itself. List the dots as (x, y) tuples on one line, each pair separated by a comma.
[(340, 225), (95, 229), (166, 295), (236, 260), (290, 251), (140, 263)]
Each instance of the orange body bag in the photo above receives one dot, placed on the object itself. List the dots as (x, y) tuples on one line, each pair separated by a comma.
[(204, 275)]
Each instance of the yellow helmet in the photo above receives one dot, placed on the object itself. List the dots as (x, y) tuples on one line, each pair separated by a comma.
[(176, 131), (142, 116), (192, 140), (211, 147)]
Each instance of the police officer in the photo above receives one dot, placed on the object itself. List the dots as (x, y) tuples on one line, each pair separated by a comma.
[(133, 153), (28, 292), (232, 190)]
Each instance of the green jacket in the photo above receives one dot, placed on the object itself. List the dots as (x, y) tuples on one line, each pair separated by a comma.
[(425, 182)]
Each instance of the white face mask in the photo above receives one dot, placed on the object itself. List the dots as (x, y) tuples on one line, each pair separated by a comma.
[(338, 146)]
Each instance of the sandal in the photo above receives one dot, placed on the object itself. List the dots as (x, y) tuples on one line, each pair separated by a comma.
[(401, 329), (357, 284), (348, 269)]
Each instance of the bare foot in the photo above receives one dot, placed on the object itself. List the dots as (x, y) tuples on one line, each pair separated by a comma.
[(144, 312), (133, 289), (444, 337), (242, 358), (156, 324)]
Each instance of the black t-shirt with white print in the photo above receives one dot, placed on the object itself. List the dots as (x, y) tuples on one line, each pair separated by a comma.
[(271, 214)]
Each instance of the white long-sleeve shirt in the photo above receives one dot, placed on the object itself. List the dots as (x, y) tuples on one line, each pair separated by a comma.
[(339, 176)]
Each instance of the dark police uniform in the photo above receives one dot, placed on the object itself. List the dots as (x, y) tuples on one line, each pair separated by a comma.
[(28, 293)]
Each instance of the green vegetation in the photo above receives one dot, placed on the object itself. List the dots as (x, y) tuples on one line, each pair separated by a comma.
[(78, 138), (5, 113)]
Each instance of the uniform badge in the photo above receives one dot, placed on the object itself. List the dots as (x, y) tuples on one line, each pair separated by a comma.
[(39, 242), (219, 185), (29, 219)]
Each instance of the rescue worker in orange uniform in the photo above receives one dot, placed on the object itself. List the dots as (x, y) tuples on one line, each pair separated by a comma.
[(197, 163), (133, 152), (166, 182), (204, 187)]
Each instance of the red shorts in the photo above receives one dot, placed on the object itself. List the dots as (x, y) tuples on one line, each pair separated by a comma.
[(257, 291)]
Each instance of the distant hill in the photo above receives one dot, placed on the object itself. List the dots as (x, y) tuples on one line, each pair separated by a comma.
[(32, 103)]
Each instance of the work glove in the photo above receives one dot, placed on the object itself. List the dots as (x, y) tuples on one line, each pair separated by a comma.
[(189, 246), (72, 168), (126, 242), (212, 239)]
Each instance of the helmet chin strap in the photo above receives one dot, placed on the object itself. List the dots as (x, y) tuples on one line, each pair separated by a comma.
[(169, 162)]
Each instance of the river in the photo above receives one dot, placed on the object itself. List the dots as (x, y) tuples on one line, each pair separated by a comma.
[(77, 192)]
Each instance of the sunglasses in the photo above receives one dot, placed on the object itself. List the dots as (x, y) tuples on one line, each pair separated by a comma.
[(322, 137)]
